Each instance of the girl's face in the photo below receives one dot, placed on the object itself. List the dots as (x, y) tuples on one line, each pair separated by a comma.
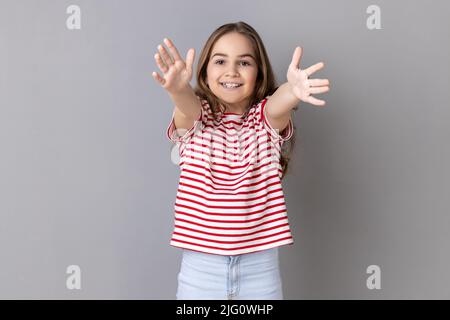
[(232, 60)]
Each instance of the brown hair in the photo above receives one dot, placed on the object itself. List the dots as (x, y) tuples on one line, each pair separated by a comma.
[(265, 82)]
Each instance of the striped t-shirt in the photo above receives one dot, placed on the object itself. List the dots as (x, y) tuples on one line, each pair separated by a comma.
[(230, 199)]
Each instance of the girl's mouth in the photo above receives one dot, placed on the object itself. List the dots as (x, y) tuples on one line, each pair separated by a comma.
[(230, 86)]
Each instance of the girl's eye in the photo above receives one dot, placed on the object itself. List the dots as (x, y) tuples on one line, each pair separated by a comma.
[(217, 62)]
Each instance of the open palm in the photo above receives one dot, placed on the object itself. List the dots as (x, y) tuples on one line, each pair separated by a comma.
[(302, 87), (176, 72)]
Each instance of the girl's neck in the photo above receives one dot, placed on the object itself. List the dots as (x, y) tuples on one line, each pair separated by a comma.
[(238, 109), (234, 110)]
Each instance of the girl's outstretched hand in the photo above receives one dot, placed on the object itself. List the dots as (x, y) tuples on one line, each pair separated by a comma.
[(176, 73), (301, 86)]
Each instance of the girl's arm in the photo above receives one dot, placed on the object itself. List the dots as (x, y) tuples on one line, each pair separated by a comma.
[(177, 74), (279, 105), (187, 108), (298, 88)]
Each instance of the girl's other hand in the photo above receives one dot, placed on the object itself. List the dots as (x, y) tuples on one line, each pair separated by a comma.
[(176, 73), (301, 86)]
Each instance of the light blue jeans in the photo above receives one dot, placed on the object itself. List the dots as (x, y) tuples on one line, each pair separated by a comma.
[(249, 276)]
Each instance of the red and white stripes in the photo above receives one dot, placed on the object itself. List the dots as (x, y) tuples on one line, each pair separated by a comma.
[(230, 199)]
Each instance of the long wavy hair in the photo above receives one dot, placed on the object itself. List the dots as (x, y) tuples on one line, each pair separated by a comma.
[(265, 82)]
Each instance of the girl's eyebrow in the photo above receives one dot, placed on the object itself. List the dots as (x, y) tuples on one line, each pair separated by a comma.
[(240, 56)]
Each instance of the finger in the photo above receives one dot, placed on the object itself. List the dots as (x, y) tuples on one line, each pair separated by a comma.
[(162, 66), (315, 101), (318, 82), (296, 57), (165, 55), (314, 68), (315, 90), (173, 49), (190, 58), (158, 78)]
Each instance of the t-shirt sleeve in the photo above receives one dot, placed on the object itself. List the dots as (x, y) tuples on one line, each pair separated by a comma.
[(175, 134), (274, 134)]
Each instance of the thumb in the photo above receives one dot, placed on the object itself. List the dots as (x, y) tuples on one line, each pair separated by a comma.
[(296, 58), (190, 59)]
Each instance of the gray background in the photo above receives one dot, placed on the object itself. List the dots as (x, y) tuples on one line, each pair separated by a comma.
[(86, 176)]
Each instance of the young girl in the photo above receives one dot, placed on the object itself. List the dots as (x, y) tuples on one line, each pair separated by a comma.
[(230, 212)]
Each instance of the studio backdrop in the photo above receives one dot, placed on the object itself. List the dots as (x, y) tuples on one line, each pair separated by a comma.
[(88, 184)]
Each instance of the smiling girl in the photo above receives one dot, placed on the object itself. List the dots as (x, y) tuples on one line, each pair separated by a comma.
[(231, 130)]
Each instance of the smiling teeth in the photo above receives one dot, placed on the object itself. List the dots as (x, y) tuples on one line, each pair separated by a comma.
[(231, 85)]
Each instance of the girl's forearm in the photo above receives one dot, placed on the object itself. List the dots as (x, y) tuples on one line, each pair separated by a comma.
[(282, 101), (186, 102)]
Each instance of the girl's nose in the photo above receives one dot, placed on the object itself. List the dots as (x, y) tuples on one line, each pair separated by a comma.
[(232, 72)]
